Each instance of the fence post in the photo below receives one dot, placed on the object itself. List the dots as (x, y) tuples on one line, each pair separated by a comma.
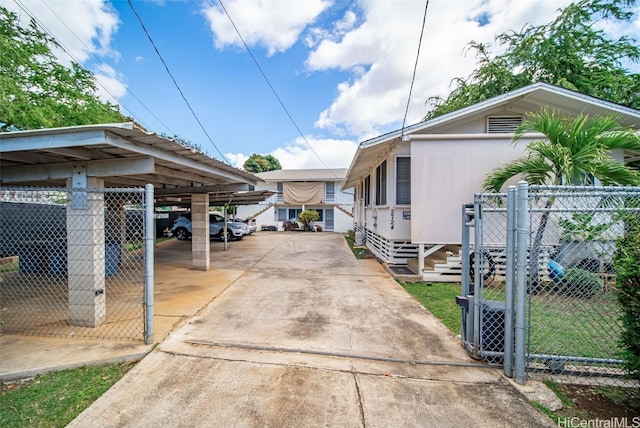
[(522, 226), (509, 281), (149, 239), (467, 321), (477, 277)]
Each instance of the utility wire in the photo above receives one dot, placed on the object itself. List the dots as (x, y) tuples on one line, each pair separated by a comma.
[(97, 58), (174, 81), (415, 67), (73, 57), (272, 88)]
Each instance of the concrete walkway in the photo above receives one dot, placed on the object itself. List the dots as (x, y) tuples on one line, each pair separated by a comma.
[(306, 336)]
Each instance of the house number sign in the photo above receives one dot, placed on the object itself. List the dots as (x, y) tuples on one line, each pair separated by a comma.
[(392, 212)]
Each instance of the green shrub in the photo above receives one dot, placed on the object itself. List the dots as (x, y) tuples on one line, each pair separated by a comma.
[(626, 261), (580, 283)]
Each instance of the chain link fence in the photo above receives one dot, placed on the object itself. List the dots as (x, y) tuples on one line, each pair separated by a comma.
[(570, 307), (72, 262)]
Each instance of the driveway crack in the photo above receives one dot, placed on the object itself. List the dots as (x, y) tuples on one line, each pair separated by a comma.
[(359, 396)]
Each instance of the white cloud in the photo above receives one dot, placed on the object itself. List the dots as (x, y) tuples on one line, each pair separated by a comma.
[(272, 24), (331, 153), (110, 84), (83, 28), (380, 54)]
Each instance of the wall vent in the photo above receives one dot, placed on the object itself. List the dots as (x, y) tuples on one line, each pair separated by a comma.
[(503, 124)]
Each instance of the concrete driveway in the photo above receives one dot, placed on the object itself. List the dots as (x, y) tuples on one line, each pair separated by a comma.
[(309, 336)]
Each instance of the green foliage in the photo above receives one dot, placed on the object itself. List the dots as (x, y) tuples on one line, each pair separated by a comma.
[(261, 163), (572, 52), (439, 299), (626, 261), (36, 91), (574, 149), (580, 283), (55, 399), (307, 217), (580, 227)]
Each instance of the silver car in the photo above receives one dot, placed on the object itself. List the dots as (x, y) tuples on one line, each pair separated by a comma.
[(235, 230)]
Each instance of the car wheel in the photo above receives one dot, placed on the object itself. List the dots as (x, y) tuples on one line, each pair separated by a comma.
[(221, 235), (181, 234)]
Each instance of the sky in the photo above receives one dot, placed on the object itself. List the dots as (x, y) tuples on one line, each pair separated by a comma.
[(307, 81)]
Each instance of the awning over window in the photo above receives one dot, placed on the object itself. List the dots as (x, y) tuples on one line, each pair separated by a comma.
[(302, 192)]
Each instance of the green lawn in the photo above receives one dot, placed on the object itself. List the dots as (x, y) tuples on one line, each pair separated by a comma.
[(55, 399), (439, 299)]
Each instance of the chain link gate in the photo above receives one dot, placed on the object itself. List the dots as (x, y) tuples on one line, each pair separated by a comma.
[(540, 293), (74, 262)]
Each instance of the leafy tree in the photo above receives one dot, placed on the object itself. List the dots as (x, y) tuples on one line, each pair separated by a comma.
[(36, 91), (626, 260), (571, 52), (261, 163), (574, 150), (307, 217)]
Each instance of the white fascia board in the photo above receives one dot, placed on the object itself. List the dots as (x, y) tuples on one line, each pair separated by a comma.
[(52, 141), (97, 168)]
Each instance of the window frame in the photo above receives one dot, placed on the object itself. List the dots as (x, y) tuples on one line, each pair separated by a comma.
[(381, 184), (404, 182)]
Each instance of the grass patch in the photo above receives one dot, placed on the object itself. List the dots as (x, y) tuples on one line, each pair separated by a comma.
[(439, 299), (132, 246), (359, 252), (55, 399), (10, 266)]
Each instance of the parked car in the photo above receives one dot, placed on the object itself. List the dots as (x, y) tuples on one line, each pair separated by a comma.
[(250, 222), (235, 230)]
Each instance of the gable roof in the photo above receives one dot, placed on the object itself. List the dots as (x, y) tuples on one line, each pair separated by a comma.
[(528, 98), (333, 174)]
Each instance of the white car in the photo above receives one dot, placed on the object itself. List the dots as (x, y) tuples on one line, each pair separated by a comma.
[(235, 230), (250, 222)]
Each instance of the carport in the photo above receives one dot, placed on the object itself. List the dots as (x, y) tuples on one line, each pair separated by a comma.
[(86, 159)]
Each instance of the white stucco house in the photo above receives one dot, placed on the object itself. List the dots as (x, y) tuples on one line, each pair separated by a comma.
[(303, 189), (410, 185)]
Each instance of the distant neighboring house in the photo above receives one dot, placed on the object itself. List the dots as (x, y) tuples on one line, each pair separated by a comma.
[(410, 185), (303, 189)]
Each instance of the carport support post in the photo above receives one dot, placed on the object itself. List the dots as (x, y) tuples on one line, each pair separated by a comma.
[(85, 251), (200, 245)]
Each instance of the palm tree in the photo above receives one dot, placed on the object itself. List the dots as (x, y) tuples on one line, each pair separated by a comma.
[(573, 151)]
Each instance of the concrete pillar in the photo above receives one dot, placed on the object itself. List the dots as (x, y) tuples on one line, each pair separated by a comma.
[(85, 255), (200, 231)]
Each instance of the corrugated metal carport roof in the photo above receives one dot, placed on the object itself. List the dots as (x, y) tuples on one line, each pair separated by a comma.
[(124, 156)]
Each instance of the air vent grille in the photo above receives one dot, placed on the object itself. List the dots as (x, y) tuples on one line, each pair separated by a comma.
[(503, 124)]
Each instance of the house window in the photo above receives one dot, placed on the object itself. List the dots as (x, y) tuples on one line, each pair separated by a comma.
[(403, 181), (381, 184), (293, 213), (367, 190), (282, 214), (330, 192)]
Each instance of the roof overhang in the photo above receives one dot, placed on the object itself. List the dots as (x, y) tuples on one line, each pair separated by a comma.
[(122, 154), (216, 198), (528, 98)]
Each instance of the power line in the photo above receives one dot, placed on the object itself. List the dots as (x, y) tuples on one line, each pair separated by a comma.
[(175, 82), (415, 67), (255, 61), (41, 25), (97, 59)]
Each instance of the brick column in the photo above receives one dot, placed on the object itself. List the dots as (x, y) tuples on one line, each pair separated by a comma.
[(85, 256), (200, 231)]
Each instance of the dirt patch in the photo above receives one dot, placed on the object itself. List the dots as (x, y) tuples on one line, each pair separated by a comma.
[(589, 403)]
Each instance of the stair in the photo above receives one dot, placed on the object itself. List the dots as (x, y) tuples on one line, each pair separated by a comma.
[(443, 264)]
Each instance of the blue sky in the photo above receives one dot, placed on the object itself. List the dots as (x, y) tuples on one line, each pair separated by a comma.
[(341, 68)]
